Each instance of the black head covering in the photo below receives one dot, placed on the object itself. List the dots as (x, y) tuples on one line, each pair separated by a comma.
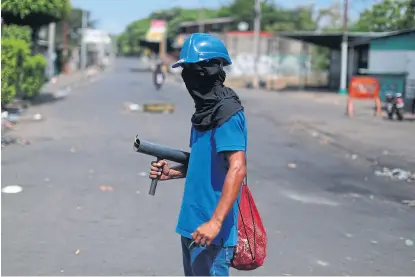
[(215, 103)]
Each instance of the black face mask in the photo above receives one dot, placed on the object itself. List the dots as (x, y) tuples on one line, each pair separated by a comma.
[(203, 78), (214, 102)]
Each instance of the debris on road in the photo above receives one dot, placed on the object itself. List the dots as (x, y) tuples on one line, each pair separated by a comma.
[(37, 117), (159, 107), (292, 165), (5, 141), (62, 93), (322, 263), (409, 242), (143, 174), (324, 141), (106, 188), (132, 107), (13, 117), (77, 251), (396, 174), (150, 107), (409, 203), (12, 189)]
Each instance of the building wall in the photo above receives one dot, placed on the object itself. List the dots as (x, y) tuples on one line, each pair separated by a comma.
[(398, 42), (268, 45), (395, 54), (388, 60), (277, 56), (410, 81)]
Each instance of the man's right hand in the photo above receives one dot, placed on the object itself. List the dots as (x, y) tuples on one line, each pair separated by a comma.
[(160, 170)]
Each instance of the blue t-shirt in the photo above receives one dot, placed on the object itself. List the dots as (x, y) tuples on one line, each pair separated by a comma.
[(206, 175)]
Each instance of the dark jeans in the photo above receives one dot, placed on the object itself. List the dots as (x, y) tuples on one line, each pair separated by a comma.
[(212, 260)]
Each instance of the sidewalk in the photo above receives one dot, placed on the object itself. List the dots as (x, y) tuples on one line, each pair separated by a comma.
[(69, 80), (383, 142), (50, 92)]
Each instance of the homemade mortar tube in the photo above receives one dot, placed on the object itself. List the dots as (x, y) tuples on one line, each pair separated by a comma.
[(161, 153)]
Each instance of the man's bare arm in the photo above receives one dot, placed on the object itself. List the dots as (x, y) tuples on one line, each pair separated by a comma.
[(234, 178), (178, 172)]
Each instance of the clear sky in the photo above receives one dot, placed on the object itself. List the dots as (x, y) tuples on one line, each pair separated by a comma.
[(114, 15)]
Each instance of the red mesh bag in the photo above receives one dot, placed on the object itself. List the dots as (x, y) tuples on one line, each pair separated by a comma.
[(251, 249)]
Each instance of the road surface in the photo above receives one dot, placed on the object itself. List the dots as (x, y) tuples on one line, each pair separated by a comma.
[(85, 209)]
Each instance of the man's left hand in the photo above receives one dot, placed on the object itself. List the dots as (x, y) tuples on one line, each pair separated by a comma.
[(207, 232)]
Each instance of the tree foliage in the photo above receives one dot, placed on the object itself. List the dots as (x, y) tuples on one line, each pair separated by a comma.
[(74, 24), (274, 18), (22, 74), (388, 15), (16, 32), (34, 13)]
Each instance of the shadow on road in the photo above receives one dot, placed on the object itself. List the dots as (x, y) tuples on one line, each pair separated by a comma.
[(45, 98), (315, 89), (137, 69)]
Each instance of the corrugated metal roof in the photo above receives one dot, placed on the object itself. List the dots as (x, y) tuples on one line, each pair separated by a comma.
[(330, 39), (206, 21), (386, 34)]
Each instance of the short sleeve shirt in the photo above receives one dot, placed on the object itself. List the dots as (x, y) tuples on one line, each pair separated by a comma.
[(206, 175)]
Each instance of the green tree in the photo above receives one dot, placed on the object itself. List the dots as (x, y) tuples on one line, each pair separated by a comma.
[(128, 43), (16, 32), (329, 19), (74, 21), (274, 18), (388, 15), (34, 13)]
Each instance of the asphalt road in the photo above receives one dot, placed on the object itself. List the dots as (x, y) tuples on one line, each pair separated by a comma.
[(85, 209)]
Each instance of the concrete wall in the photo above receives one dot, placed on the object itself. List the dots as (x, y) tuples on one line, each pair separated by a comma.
[(267, 45), (395, 61), (388, 60), (275, 64), (410, 82)]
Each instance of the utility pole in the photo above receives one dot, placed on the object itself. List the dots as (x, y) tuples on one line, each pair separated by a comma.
[(51, 50), (65, 46), (83, 42), (344, 46), (257, 30), (201, 16)]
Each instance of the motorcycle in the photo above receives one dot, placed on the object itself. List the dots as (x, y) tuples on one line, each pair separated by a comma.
[(158, 77), (389, 105), (399, 104), (394, 105)]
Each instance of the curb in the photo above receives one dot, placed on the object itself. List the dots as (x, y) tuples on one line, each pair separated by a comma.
[(13, 115)]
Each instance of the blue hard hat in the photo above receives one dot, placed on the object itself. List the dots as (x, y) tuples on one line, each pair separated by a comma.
[(200, 47)]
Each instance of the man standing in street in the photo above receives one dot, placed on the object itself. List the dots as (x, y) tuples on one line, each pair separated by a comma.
[(208, 217)]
